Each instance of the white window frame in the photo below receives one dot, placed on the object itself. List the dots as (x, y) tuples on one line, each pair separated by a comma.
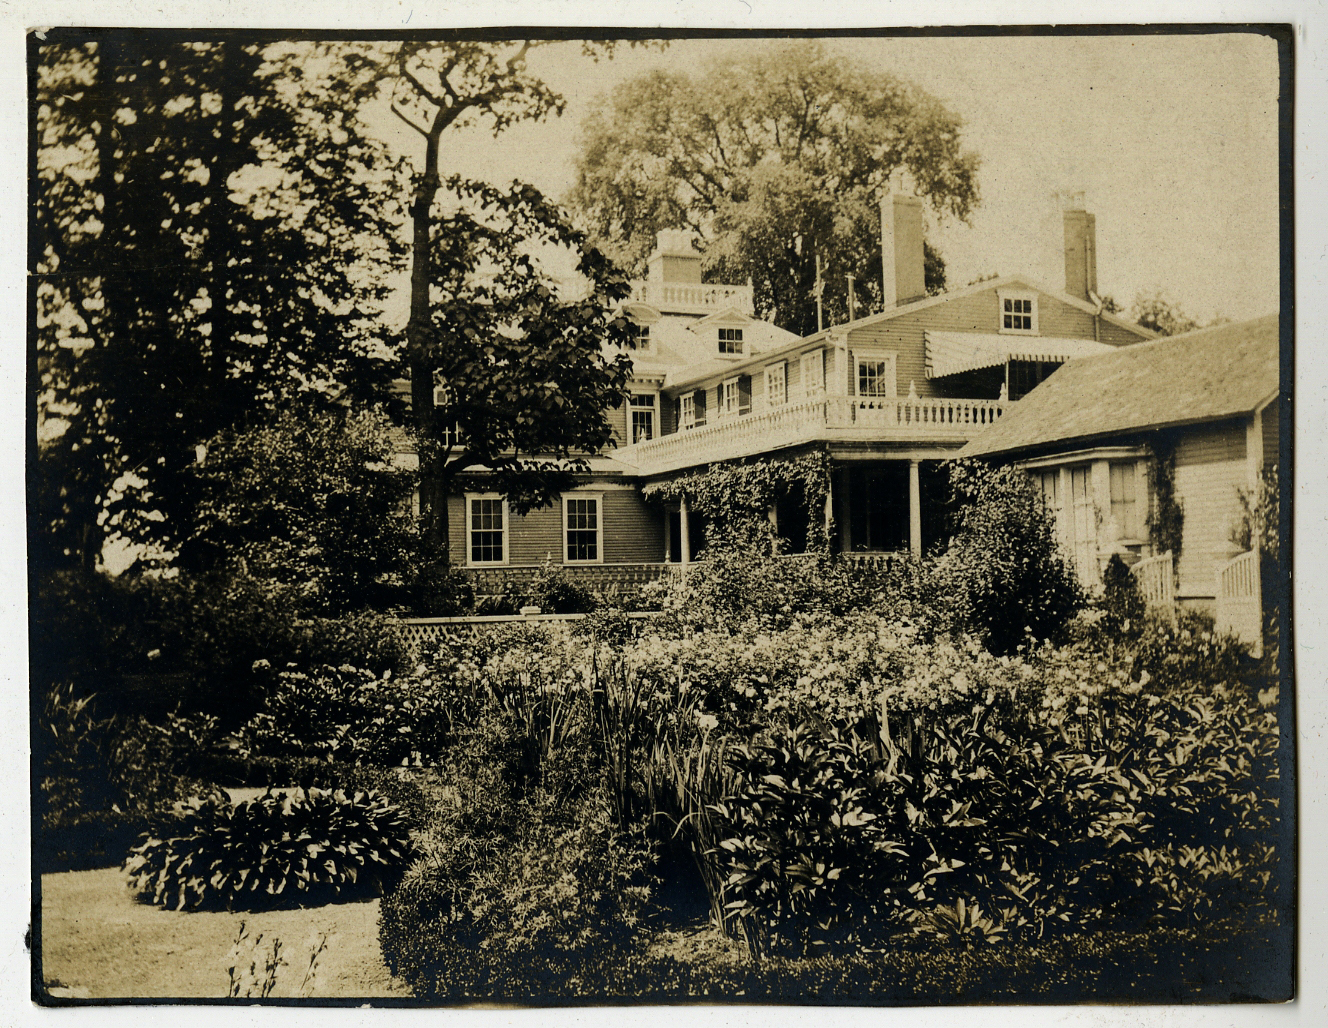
[(643, 338), (1011, 295), (813, 385), (729, 401), (776, 384), (598, 498), (470, 530), (632, 407), (720, 340), (687, 417), (891, 375)]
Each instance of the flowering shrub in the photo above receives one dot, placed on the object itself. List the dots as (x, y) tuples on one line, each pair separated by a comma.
[(301, 848)]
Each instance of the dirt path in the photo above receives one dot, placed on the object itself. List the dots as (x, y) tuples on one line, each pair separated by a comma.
[(98, 942)]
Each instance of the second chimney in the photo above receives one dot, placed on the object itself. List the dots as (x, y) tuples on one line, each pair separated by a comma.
[(902, 275), (1080, 247)]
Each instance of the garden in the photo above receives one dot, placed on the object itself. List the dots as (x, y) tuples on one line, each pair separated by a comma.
[(798, 779)]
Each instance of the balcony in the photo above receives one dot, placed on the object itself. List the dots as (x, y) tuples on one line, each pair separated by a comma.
[(829, 419), (692, 298)]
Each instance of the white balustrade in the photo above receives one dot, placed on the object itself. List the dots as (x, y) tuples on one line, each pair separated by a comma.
[(830, 418), (672, 295)]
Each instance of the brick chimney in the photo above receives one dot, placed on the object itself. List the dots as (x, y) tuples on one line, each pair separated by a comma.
[(902, 277), (1080, 247), (673, 259)]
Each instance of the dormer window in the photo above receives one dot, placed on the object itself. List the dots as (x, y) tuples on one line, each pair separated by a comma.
[(730, 340), (640, 337), (1018, 312)]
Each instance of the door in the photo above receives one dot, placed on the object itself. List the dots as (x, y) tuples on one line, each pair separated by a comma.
[(1083, 524)]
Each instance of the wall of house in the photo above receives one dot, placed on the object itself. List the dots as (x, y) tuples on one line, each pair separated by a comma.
[(979, 312), (1210, 468), (1269, 425), (632, 531)]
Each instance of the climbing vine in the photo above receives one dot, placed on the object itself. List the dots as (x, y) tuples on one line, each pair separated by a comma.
[(735, 499), (1166, 518)]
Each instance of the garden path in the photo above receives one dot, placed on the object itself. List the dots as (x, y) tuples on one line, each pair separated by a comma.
[(98, 942)]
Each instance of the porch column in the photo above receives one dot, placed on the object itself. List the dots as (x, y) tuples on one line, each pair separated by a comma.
[(829, 508), (668, 535), (914, 510), (685, 532)]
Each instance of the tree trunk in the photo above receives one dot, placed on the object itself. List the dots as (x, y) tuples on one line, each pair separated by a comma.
[(419, 340)]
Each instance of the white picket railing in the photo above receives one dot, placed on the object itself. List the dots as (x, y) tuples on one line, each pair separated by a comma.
[(1239, 607), (1157, 581), (828, 418)]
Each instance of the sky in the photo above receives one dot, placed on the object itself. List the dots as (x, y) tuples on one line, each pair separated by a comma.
[(1171, 138)]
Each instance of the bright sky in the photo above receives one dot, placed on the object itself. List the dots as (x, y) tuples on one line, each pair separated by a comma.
[(1172, 139)]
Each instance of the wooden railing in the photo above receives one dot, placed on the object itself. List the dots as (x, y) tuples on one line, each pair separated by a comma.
[(667, 295), (1239, 607), (905, 419), (1157, 581)]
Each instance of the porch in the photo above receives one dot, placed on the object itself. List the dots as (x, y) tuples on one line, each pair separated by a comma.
[(831, 419)]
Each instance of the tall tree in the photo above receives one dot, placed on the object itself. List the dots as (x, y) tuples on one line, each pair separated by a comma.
[(211, 238), (525, 376), (773, 159)]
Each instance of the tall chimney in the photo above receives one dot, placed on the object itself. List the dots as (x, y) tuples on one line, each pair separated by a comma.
[(673, 259), (1080, 247), (902, 276)]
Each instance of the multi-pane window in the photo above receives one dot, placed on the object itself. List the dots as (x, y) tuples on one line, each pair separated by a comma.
[(728, 398), (813, 372), (582, 515), (640, 337), (642, 406), (1124, 501), (730, 340), (776, 384), (688, 417), (451, 428), (874, 377), (1018, 312), (488, 530)]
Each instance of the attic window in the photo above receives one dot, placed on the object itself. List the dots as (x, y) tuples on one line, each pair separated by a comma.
[(730, 340), (640, 337), (1018, 312)]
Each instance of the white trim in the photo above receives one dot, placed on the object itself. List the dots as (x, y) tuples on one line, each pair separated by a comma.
[(687, 410), (741, 351), (812, 359), (654, 414), (776, 373), (1082, 456), (599, 526), (1016, 294), (507, 522), (725, 410), (872, 355)]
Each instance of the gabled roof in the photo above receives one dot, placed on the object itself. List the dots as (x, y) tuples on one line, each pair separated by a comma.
[(980, 287), (1214, 373)]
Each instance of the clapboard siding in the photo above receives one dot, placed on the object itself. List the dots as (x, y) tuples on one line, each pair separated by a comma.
[(633, 530), (1210, 468)]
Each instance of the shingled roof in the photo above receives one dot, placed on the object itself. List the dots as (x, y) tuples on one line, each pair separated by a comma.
[(1207, 375)]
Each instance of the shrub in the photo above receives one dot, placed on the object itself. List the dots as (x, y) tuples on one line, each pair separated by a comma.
[(307, 847), (1122, 602), (554, 591), (352, 715), (1004, 558), (534, 913), (805, 848), (1184, 651)]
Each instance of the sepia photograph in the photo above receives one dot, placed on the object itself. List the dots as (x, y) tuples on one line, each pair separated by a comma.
[(585, 517)]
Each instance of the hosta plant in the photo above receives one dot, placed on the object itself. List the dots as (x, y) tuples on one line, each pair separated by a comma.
[(302, 848)]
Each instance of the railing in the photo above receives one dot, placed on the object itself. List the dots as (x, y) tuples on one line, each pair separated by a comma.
[(1157, 582), (1239, 607), (908, 419), (672, 295)]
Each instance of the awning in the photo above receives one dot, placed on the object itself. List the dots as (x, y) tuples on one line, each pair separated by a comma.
[(950, 353)]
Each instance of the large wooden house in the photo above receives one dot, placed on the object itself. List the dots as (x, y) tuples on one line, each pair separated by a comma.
[(886, 397)]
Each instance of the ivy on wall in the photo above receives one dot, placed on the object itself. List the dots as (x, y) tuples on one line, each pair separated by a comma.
[(735, 499), (1166, 518)]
